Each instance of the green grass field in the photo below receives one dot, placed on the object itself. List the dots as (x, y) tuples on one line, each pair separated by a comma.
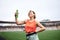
[(45, 35)]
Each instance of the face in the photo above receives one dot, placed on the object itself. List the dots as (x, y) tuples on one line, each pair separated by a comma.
[(31, 14)]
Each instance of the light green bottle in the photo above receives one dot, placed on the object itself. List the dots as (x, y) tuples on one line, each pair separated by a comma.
[(16, 13)]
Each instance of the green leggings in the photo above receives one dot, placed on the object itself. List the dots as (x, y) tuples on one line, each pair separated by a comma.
[(32, 37)]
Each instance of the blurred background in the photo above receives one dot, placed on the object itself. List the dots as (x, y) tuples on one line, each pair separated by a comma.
[(47, 13)]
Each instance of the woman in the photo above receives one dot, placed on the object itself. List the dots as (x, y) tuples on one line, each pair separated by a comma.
[(30, 26)]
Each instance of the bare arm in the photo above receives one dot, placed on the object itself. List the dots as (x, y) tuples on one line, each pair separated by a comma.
[(42, 28), (19, 22)]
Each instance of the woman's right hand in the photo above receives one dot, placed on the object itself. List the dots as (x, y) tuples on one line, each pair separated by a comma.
[(16, 14)]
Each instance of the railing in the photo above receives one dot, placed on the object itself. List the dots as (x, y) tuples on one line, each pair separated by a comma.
[(46, 24)]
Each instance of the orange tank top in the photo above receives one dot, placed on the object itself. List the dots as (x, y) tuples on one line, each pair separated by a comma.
[(30, 26)]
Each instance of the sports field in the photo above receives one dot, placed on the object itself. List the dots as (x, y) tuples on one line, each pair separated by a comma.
[(46, 35)]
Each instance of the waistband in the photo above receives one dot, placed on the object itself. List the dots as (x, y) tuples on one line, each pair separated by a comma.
[(31, 33)]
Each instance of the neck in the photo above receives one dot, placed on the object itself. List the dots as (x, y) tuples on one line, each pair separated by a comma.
[(32, 18)]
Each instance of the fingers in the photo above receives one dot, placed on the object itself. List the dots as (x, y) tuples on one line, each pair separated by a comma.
[(15, 15)]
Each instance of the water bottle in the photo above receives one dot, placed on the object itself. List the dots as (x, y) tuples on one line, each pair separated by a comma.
[(16, 14)]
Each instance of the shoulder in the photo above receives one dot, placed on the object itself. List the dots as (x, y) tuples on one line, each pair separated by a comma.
[(26, 20), (37, 21)]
